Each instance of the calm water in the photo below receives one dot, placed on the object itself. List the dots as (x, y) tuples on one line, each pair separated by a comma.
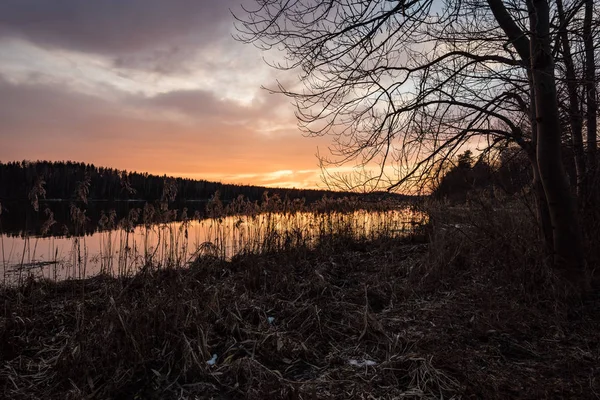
[(124, 251), (20, 219)]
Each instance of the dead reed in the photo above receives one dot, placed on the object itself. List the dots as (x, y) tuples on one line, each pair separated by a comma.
[(158, 237), (463, 307)]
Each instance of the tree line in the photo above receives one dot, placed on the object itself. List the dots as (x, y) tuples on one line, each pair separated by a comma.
[(25, 184), (507, 174), (60, 180)]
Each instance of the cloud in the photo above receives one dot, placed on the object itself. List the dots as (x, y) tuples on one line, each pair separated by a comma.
[(150, 85), (44, 121), (160, 36), (205, 104), (293, 179), (113, 26)]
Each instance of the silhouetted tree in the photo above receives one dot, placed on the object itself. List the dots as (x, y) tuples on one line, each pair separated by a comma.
[(404, 85), (466, 176)]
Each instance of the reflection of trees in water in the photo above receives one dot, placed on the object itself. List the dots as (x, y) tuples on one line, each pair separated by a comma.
[(56, 218), (68, 218), (20, 219)]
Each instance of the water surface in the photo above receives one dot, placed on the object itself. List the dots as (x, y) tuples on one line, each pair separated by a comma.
[(126, 249)]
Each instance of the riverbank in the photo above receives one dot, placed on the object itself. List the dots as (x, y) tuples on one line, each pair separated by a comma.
[(345, 320)]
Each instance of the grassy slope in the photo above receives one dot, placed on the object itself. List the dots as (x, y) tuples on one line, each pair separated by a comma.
[(463, 331)]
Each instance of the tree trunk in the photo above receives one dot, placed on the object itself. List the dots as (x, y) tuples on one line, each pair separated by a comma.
[(567, 238), (541, 203), (543, 214), (591, 98), (575, 117), (522, 44)]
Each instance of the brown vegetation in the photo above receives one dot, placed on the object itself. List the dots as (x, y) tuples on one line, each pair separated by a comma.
[(475, 312)]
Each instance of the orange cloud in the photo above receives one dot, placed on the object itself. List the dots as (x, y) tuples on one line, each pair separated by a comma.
[(222, 141)]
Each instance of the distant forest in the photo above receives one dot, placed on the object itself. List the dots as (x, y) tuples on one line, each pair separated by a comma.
[(21, 182), (507, 174), (61, 180)]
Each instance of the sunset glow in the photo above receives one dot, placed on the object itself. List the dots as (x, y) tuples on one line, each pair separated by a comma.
[(151, 86)]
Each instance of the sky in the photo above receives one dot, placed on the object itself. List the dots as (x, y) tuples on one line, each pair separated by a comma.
[(156, 86)]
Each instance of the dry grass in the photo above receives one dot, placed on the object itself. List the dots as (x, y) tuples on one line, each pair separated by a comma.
[(471, 313), (483, 238), (158, 237), (152, 335)]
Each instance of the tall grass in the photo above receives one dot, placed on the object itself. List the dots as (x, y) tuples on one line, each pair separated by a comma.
[(158, 237), (490, 241)]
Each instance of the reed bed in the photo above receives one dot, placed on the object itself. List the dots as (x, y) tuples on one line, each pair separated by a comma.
[(156, 236)]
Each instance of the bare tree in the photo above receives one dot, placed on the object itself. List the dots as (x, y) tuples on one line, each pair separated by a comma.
[(572, 84), (591, 92), (405, 85)]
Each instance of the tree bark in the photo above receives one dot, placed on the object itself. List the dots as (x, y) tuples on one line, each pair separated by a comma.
[(522, 44), (543, 213), (591, 96), (567, 238), (575, 117), (541, 203)]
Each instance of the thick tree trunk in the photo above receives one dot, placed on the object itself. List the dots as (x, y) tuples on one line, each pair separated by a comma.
[(543, 213), (522, 44), (541, 203), (567, 238), (575, 117)]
